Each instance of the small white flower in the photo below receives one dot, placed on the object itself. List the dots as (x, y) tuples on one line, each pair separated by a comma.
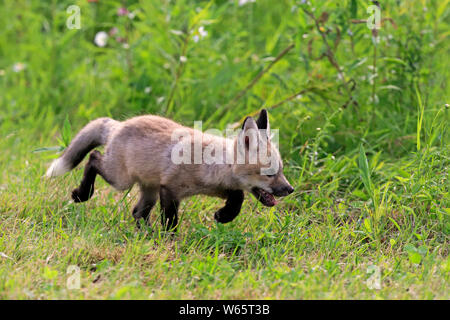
[(159, 100), (131, 15), (183, 59), (242, 2), (2, 72), (148, 89), (101, 38), (202, 31), (18, 66), (126, 46), (318, 129)]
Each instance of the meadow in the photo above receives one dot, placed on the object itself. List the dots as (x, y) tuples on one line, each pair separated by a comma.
[(362, 115)]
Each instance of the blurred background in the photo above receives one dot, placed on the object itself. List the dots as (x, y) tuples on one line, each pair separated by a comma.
[(193, 60), (362, 112)]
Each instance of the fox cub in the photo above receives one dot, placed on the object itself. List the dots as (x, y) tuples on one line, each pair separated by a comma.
[(141, 150)]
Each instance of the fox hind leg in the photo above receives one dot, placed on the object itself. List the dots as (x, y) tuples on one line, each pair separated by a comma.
[(86, 189), (169, 209), (93, 167)]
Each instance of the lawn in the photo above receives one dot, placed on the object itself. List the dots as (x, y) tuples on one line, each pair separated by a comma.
[(363, 121)]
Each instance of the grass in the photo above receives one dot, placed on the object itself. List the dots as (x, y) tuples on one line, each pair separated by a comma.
[(365, 145)]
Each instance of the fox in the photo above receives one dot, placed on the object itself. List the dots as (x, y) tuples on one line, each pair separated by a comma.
[(140, 151)]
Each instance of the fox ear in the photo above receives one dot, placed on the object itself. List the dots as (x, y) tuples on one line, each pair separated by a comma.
[(249, 129), (263, 122), (249, 123)]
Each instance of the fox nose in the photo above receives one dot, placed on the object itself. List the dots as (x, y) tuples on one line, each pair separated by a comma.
[(283, 191), (289, 189)]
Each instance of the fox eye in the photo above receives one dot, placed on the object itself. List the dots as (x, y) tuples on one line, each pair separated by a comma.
[(271, 175)]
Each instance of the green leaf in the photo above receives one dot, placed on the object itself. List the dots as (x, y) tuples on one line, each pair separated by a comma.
[(422, 250), (441, 8), (66, 134), (356, 64), (413, 254), (414, 257), (364, 170), (421, 109), (394, 60), (367, 225), (410, 248), (49, 273), (390, 87), (58, 149)]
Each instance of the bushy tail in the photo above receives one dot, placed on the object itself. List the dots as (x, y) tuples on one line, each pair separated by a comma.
[(94, 134)]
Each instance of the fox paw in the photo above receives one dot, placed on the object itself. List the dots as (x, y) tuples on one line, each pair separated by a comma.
[(80, 195), (224, 216)]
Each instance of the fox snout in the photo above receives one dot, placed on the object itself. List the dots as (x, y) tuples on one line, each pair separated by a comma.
[(283, 190), (281, 186)]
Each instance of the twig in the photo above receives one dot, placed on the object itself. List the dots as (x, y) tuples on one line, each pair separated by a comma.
[(276, 105), (329, 54), (259, 75), (251, 83)]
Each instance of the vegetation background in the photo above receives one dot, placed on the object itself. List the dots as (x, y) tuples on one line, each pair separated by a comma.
[(363, 118)]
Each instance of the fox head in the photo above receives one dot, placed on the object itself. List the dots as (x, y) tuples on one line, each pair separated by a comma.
[(259, 168)]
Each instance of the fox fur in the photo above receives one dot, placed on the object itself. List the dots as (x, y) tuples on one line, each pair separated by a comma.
[(138, 151)]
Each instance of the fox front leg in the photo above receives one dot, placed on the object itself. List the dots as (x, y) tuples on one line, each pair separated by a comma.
[(169, 209), (146, 202), (232, 206)]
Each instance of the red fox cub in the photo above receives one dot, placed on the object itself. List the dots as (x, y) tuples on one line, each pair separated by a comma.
[(162, 157)]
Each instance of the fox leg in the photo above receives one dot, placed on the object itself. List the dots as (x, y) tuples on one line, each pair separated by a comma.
[(86, 189), (169, 208), (93, 167), (145, 204), (232, 206)]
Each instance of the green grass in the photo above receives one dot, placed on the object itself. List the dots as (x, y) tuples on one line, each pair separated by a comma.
[(366, 151)]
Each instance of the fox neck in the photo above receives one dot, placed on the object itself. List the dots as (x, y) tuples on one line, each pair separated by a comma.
[(221, 174)]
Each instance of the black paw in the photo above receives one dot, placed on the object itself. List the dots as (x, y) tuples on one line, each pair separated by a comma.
[(223, 216), (82, 195)]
